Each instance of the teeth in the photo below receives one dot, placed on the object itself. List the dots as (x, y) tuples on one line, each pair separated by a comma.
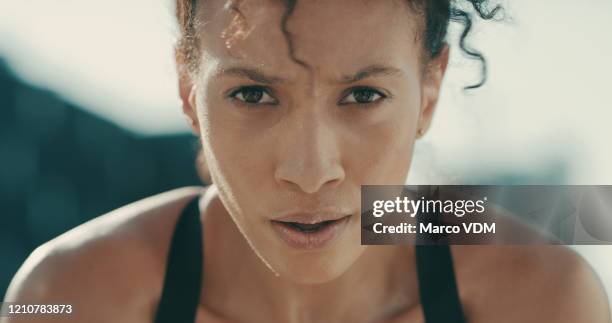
[(304, 227)]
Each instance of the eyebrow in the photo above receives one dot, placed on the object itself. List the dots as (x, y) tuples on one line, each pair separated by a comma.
[(370, 71), (252, 74), (257, 75)]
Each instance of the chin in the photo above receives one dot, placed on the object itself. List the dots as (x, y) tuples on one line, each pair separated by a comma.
[(315, 269), (304, 260), (317, 266)]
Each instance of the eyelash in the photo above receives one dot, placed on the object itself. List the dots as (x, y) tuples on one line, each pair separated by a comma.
[(266, 91), (365, 105), (240, 90)]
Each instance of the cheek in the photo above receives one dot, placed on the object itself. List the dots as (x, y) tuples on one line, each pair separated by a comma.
[(234, 154), (384, 150)]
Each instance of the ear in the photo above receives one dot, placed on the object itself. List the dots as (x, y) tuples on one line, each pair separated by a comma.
[(187, 92), (436, 69)]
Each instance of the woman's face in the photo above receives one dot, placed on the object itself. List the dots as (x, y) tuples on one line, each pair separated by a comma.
[(290, 140)]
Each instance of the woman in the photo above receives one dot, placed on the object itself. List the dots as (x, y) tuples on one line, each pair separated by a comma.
[(297, 104)]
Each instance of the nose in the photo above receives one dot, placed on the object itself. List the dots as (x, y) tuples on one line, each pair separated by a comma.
[(309, 156)]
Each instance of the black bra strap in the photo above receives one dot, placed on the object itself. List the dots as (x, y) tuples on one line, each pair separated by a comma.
[(181, 292), (437, 285)]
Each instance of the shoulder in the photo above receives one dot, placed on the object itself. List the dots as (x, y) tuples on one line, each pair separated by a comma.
[(113, 262), (531, 283)]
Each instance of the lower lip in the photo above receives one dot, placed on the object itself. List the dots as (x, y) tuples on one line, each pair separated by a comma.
[(310, 240)]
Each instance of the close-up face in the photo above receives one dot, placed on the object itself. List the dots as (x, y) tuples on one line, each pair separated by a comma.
[(294, 117)]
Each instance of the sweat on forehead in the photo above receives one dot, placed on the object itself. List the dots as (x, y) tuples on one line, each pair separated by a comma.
[(323, 32), (434, 17)]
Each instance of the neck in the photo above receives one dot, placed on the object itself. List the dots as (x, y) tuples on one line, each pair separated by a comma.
[(381, 283)]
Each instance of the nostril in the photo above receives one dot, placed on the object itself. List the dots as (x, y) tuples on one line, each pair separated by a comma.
[(310, 180)]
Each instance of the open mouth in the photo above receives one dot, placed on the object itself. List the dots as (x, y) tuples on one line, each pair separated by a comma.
[(309, 235), (307, 228)]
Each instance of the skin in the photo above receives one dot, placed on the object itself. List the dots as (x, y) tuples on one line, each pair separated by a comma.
[(307, 145), (303, 147)]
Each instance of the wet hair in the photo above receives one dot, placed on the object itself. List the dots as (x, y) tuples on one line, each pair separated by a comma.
[(437, 16)]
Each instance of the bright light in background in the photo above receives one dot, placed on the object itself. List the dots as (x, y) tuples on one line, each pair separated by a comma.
[(112, 57), (547, 99)]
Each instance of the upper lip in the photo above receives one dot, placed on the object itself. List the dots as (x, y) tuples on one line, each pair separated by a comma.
[(311, 217)]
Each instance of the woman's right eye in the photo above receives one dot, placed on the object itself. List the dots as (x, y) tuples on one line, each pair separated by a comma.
[(254, 95)]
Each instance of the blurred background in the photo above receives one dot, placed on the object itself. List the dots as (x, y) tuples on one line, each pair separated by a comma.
[(90, 117)]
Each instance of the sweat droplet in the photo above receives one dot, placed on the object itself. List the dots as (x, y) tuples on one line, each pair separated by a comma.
[(238, 29)]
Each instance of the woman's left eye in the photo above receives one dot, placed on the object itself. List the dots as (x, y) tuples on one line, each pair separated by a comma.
[(362, 95)]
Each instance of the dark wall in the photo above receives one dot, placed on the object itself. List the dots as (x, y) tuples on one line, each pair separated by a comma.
[(61, 166)]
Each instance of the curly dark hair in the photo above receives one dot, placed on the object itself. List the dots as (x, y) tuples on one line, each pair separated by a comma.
[(437, 16)]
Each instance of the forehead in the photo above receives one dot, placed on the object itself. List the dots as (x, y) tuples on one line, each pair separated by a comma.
[(330, 36)]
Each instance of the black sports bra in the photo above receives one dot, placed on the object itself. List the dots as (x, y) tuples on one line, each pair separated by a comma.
[(181, 291)]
